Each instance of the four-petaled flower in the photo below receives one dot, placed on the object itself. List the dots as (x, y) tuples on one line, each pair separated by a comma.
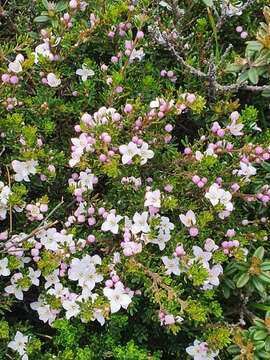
[(85, 72), (19, 344), (52, 80), (111, 223), (117, 296), (128, 151)]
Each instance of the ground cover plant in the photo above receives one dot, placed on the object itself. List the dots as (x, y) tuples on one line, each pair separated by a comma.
[(134, 180)]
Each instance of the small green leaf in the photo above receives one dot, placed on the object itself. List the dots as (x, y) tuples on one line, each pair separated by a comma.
[(259, 323), (260, 335), (263, 354), (42, 18), (253, 76), (243, 77), (267, 344), (259, 345), (259, 253), (208, 3), (266, 93), (46, 4), (258, 285), (244, 278), (229, 283), (260, 306), (254, 46), (60, 6), (233, 349), (265, 278), (233, 68)]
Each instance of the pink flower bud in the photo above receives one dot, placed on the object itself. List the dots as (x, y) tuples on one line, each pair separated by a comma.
[(128, 108), (193, 231)]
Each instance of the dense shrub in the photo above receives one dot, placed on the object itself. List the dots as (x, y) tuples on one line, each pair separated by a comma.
[(134, 189)]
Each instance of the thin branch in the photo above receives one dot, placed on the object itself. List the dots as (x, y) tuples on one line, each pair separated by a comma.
[(3, 149), (10, 208), (226, 52), (45, 227), (53, 210)]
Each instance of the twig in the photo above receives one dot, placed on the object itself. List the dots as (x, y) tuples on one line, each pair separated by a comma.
[(226, 52), (53, 210), (10, 208), (2, 150), (45, 227)]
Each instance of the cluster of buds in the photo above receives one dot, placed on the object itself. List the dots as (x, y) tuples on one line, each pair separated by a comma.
[(230, 246), (35, 211)]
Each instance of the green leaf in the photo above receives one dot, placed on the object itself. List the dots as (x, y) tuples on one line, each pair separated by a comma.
[(260, 306), (260, 335), (233, 68), (253, 76), (42, 18), (233, 349), (226, 292), (60, 6), (259, 253), (208, 3), (242, 267), (244, 278), (266, 93), (243, 77), (259, 323), (259, 345), (254, 46), (258, 285), (263, 354), (46, 4), (229, 283), (265, 278), (267, 344)]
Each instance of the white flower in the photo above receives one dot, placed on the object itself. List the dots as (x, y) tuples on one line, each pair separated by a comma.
[(15, 67), (44, 50), (213, 275), (58, 291), (52, 279), (164, 4), (152, 198), (4, 270), (161, 239), (246, 170), (86, 180), (214, 194), (145, 153), (210, 245), (84, 72), (34, 275), (72, 308), (200, 352), (53, 81), (154, 103), (117, 296), (49, 240), (140, 223), (225, 200), (91, 277), (202, 256), (19, 343), (137, 54), (235, 129), (128, 151), (188, 219), (172, 265), (111, 223)]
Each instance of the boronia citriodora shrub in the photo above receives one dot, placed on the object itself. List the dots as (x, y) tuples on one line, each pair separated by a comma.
[(134, 182)]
